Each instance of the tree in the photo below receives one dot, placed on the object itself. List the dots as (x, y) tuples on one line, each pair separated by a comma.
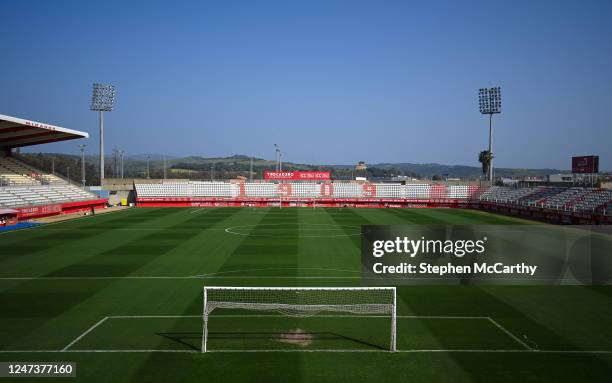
[(485, 158)]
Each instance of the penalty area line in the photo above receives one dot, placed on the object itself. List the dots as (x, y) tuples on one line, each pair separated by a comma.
[(511, 335), (85, 333)]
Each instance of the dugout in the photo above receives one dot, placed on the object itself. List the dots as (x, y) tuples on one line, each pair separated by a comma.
[(8, 217)]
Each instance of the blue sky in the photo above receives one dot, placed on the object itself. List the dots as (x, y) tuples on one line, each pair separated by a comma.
[(330, 82)]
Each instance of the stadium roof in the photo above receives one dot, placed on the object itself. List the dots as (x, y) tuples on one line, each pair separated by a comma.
[(16, 132)]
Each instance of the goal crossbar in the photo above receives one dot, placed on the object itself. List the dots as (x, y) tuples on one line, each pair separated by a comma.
[(302, 302)]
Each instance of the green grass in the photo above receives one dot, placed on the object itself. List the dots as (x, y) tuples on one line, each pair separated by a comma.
[(58, 280)]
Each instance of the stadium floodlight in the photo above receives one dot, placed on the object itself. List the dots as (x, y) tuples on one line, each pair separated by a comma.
[(489, 102), (303, 302), (102, 100)]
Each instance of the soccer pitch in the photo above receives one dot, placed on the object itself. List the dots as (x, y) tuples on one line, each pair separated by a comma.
[(121, 294)]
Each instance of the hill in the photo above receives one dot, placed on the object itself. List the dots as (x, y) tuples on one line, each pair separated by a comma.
[(197, 167)]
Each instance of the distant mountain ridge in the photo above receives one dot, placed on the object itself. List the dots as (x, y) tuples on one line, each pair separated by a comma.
[(135, 165), (463, 171)]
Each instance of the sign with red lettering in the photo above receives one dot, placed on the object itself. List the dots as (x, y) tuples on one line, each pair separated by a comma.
[(296, 176)]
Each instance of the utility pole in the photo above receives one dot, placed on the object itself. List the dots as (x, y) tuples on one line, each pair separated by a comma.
[(122, 153), (83, 163), (277, 157), (148, 174)]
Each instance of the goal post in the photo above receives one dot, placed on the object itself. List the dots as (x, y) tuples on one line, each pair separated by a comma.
[(303, 302)]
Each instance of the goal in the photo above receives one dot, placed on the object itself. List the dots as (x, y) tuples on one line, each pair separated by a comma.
[(303, 302)]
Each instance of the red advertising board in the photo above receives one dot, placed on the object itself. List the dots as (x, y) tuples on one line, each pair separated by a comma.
[(585, 164), (296, 176)]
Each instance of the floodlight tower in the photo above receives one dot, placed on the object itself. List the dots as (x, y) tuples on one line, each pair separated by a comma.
[(489, 101), (102, 100)]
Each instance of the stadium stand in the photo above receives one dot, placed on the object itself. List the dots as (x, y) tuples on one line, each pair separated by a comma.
[(506, 195), (14, 172), (22, 185), (30, 192), (574, 199), (17, 196), (302, 190), (561, 199)]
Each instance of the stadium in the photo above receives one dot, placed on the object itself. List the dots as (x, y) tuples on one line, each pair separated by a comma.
[(264, 270), (125, 288)]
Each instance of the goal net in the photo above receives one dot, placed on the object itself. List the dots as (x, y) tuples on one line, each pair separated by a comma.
[(303, 302)]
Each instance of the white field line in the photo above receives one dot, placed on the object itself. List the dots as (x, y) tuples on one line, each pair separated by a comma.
[(200, 210), (102, 277), (252, 316), (416, 351), (85, 333), (218, 275), (277, 269), (189, 277), (284, 316), (252, 277), (511, 335), (526, 349), (44, 228)]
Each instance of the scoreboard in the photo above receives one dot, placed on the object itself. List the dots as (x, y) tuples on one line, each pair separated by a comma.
[(585, 164)]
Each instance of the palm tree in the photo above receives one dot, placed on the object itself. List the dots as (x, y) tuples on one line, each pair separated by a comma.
[(485, 158)]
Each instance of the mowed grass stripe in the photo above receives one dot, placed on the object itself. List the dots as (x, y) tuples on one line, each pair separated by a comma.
[(269, 247), (125, 258), (23, 301), (193, 241), (566, 316), (326, 249), (57, 250)]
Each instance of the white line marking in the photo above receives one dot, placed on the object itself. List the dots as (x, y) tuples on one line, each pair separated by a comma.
[(301, 227), (84, 351), (510, 334), (212, 276), (284, 316), (93, 278), (519, 351), (279, 268), (200, 210), (484, 351), (180, 277), (85, 333), (219, 274)]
